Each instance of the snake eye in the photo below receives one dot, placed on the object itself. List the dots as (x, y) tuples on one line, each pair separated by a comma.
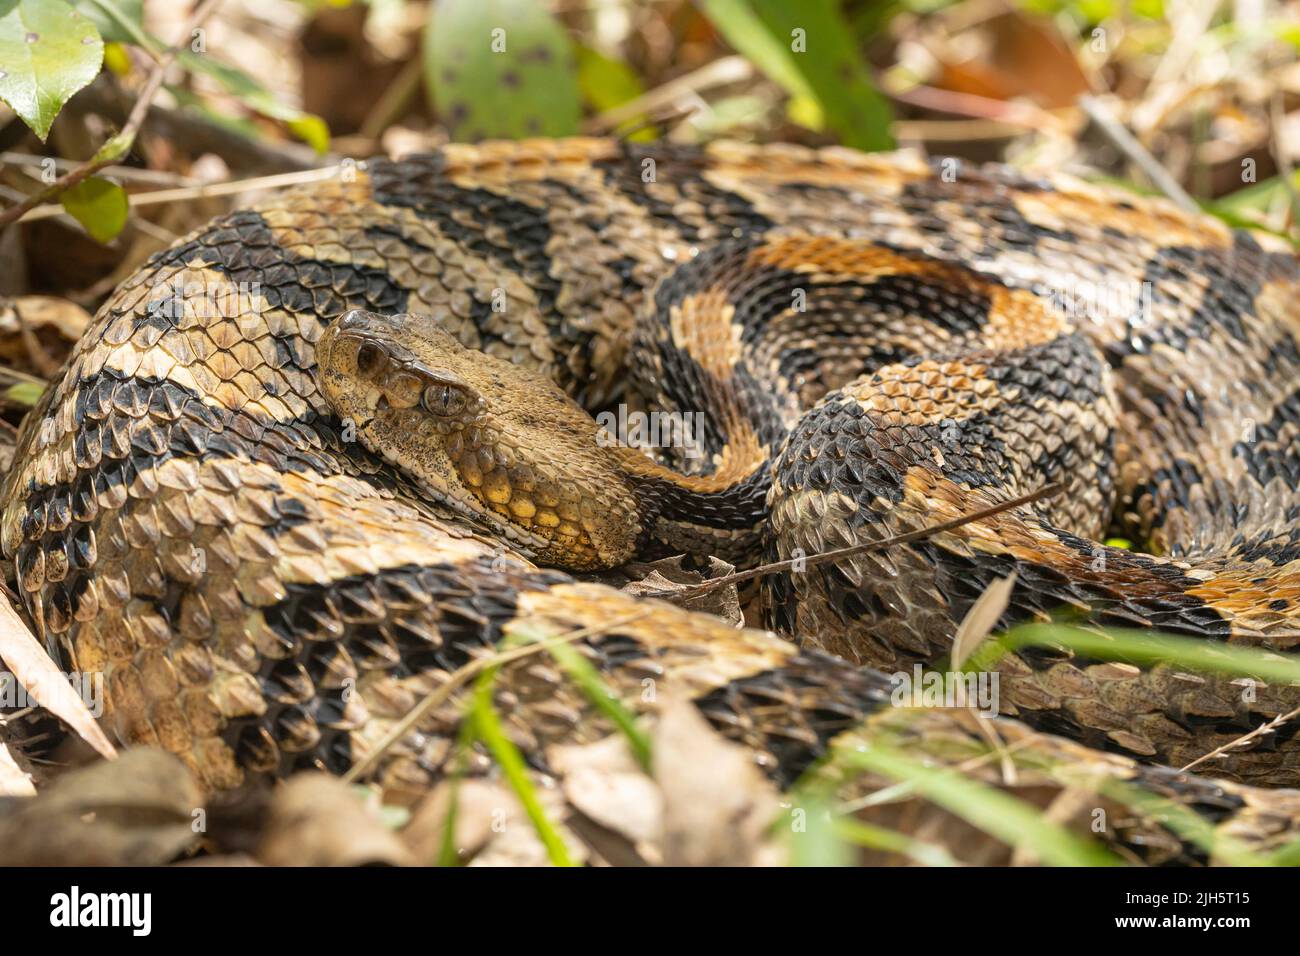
[(443, 399), (368, 358)]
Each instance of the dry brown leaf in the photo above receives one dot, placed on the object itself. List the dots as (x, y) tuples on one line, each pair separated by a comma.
[(318, 820), (66, 318), (668, 575), (8, 448), (1009, 56), (492, 828), (144, 809), (982, 617), (604, 782), (717, 806), (480, 804), (519, 845), (14, 782), (43, 322), (40, 676)]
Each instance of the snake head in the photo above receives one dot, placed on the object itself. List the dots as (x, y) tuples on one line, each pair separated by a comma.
[(494, 441)]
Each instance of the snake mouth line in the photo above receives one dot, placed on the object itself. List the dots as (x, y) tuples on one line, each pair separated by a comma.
[(532, 545)]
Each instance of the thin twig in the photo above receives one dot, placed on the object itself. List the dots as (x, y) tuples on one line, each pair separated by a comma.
[(1244, 739), (728, 69), (41, 359), (821, 558), (206, 190), (12, 376), (394, 101), (153, 177), (1118, 134), (1011, 113), (648, 121), (119, 145), (462, 676)]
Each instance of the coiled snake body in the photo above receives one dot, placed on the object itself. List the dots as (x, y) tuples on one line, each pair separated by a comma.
[(874, 344)]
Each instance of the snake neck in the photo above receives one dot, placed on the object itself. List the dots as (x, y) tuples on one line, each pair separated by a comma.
[(705, 495), (721, 514)]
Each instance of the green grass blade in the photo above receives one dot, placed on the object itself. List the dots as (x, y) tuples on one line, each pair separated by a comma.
[(1183, 822), (1010, 820), (872, 837), (1288, 855), (605, 700), (809, 832), (1142, 647), (488, 727)]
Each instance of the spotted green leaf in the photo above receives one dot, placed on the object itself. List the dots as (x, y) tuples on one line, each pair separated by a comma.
[(48, 51), (99, 205), (500, 69)]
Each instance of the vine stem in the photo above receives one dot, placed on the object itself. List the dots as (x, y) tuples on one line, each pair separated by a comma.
[(119, 145)]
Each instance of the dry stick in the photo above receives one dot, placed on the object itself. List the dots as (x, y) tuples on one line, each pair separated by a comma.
[(1128, 144), (1020, 115), (125, 173), (822, 557), (728, 69), (462, 676), (671, 115), (207, 190), (35, 351), (394, 100), (1244, 739), (119, 145)]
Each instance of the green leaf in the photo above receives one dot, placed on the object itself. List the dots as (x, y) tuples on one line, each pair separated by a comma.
[(118, 21), (48, 51), (24, 393), (117, 59), (311, 129), (236, 125), (500, 69), (308, 127), (99, 205), (809, 50), (606, 82), (745, 30)]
